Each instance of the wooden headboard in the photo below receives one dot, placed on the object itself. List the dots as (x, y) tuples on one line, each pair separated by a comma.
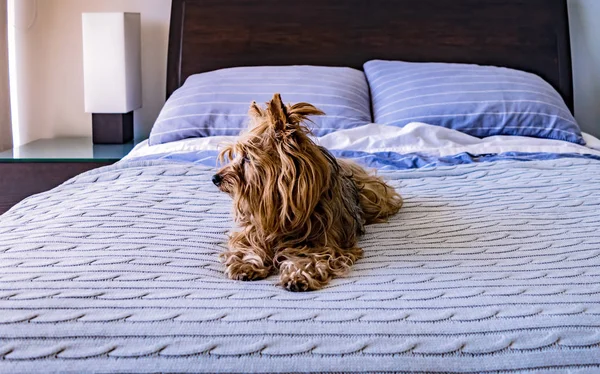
[(531, 35)]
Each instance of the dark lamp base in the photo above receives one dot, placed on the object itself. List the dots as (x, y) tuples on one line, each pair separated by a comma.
[(108, 128)]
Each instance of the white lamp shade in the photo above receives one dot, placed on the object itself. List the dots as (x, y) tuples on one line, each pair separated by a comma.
[(112, 62)]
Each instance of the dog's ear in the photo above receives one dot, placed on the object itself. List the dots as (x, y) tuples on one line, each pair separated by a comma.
[(256, 115), (282, 117), (277, 113), (255, 111)]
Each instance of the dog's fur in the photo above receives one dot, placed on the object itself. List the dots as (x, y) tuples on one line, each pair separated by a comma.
[(300, 210)]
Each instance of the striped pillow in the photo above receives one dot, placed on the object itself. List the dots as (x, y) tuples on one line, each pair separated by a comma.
[(477, 100), (216, 103)]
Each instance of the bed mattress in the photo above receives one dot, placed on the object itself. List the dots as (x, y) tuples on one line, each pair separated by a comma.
[(490, 266)]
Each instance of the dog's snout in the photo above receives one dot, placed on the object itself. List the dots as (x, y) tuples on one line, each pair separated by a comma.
[(216, 179)]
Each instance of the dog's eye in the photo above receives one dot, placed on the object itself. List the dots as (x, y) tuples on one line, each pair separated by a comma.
[(245, 159)]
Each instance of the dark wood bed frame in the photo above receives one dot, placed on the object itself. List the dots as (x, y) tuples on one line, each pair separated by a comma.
[(531, 35)]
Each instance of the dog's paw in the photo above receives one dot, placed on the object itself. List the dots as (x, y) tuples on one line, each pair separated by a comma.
[(302, 276), (245, 271), (297, 283)]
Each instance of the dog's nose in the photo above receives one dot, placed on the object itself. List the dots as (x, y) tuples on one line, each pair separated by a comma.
[(216, 179)]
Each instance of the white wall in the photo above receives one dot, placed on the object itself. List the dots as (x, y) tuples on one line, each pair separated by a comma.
[(5, 133), (51, 71), (50, 56), (584, 19)]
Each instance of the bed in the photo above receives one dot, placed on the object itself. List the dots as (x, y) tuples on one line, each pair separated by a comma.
[(492, 265)]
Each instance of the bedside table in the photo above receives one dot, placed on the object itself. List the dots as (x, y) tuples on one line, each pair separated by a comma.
[(44, 164)]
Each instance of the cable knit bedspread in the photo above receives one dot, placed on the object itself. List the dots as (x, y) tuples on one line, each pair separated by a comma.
[(489, 267)]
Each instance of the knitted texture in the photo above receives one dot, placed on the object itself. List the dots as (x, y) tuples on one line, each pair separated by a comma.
[(488, 267)]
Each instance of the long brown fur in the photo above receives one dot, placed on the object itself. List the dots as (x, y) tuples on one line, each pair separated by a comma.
[(299, 209)]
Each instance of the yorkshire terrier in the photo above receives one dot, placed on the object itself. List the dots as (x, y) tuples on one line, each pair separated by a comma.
[(299, 209)]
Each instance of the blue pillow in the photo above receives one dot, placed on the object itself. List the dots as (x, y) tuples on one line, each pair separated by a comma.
[(477, 100), (217, 102)]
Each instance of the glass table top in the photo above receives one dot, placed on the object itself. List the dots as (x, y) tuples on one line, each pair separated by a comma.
[(67, 150)]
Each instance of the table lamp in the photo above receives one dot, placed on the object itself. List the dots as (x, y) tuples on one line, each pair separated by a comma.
[(112, 74)]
